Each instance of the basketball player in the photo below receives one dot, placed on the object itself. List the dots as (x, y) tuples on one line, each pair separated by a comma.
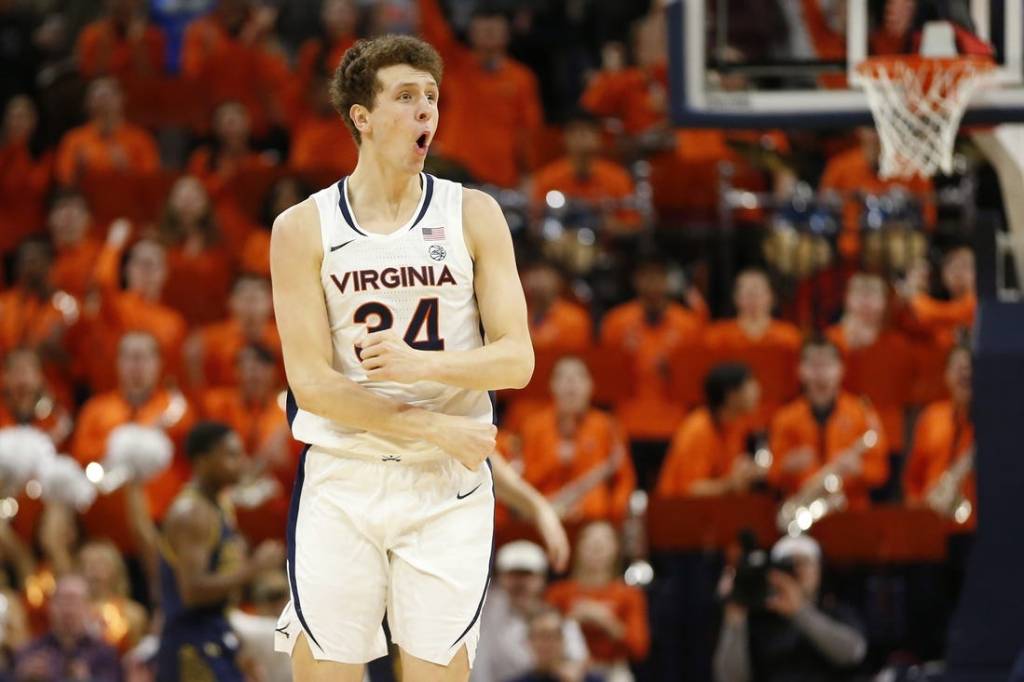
[(399, 307), (203, 565)]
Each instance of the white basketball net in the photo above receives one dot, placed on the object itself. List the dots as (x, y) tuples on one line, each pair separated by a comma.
[(917, 104)]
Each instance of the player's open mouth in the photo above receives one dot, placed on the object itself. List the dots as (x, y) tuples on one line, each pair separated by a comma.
[(421, 143)]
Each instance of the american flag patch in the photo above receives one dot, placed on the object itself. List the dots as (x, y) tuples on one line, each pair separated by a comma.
[(433, 234)]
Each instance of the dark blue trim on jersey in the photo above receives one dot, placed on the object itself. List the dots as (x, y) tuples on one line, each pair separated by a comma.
[(291, 408), (428, 194), (293, 516), (490, 562), (343, 205)]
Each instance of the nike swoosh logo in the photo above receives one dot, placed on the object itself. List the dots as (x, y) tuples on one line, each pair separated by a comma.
[(462, 497), (342, 245)]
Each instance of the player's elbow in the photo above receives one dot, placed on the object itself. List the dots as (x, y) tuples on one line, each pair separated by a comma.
[(521, 370)]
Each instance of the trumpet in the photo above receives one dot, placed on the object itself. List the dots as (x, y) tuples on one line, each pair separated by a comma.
[(946, 495), (823, 494)]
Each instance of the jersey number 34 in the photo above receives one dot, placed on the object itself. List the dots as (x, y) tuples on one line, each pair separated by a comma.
[(423, 323)]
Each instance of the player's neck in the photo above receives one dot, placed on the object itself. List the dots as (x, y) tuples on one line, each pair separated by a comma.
[(381, 189)]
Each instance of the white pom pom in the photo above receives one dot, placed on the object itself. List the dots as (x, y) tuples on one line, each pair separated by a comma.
[(24, 452), (65, 482), (136, 453)]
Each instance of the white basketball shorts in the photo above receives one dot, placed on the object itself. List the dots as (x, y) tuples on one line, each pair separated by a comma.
[(365, 537)]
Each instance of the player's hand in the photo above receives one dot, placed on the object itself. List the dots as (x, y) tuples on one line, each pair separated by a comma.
[(268, 556), (385, 356), (466, 440), (553, 535)]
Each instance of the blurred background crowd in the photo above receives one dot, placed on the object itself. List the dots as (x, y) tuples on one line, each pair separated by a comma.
[(734, 330)]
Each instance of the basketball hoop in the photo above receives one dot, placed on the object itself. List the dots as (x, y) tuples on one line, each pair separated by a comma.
[(917, 103)]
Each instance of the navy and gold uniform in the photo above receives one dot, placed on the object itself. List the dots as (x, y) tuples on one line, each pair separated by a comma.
[(198, 644)]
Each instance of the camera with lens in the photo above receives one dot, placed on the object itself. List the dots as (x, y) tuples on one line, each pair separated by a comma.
[(750, 586)]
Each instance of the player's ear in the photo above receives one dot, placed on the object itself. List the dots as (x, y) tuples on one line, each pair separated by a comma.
[(360, 116)]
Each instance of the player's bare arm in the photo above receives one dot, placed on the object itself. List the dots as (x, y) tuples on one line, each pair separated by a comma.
[(506, 358), (191, 531), (296, 255)]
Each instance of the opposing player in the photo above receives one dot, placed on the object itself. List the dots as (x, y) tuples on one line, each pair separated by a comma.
[(399, 308)]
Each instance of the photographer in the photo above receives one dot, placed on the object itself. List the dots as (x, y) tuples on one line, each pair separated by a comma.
[(787, 633)]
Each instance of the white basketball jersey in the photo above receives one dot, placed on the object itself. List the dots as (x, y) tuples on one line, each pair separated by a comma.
[(418, 281)]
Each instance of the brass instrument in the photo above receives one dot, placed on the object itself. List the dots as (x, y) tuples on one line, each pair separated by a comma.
[(946, 496), (823, 494)]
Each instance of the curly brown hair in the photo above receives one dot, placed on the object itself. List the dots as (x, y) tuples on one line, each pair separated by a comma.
[(355, 80)]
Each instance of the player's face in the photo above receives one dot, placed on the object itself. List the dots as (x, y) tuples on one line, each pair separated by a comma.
[(753, 296), (821, 371), (404, 117), (227, 462)]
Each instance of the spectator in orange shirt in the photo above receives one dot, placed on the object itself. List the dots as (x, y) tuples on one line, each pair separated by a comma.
[(211, 353), (853, 174), (943, 436), (253, 411), (707, 455), (589, 182), (123, 620), (613, 615), (137, 399), (230, 153), (25, 174), (879, 362), (285, 193), (827, 427), (939, 324), (107, 142), (557, 325), (121, 44), (135, 308), (70, 222), (320, 142), (34, 315), (198, 262), (319, 56), (230, 53), (491, 108), (769, 347), (650, 329), (28, 401), (575, 455)]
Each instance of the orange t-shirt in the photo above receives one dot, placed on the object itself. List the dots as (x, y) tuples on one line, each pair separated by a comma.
[(228, 69), (551, 462), (104, 48), (259, 426), (74, 265), (255, 258), (26, 320), (885, 372), (216, 178), (198, 283), (795, 426), (489, 115), (638, 97), (85, 148), (24, 181), (322, 144), (650, 413), (565, 327), (772, 358), (221, 343), (313, 58), (936, 325), (849, 172), (605, 181), (941, 436), (99, 416), (701, 450), (627, 603)]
